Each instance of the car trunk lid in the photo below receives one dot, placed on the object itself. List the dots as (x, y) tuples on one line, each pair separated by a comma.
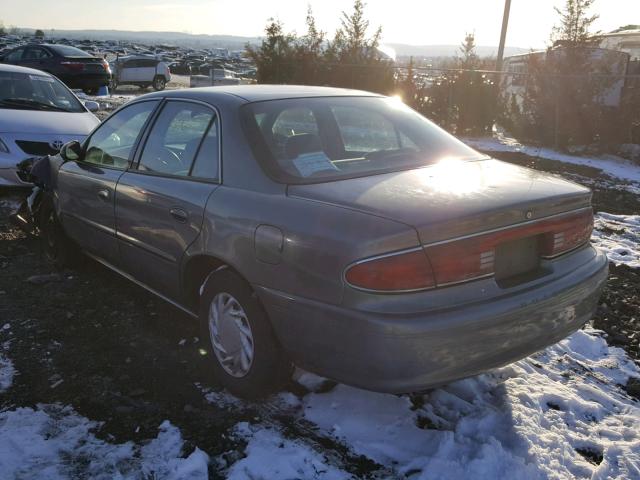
[(453, 198)]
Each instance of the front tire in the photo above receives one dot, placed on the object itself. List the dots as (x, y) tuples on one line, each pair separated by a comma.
[(159, 83), (243, 352)]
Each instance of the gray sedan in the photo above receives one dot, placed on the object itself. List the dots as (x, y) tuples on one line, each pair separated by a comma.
[(332, 229)]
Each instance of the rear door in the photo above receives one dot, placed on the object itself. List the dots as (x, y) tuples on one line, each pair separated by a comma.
[(86, 188), (160, 203), (36, 57), (147, 69), (127, 71)]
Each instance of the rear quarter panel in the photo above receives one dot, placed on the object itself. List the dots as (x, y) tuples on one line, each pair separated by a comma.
[(318, 240)]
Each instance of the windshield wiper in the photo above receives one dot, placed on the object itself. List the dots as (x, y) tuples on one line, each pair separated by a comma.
[(25, 102)]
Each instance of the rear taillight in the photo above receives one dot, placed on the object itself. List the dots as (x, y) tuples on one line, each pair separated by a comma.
[(468, 258), (407, 271), (105, 65), (567, 233), (74, 66)]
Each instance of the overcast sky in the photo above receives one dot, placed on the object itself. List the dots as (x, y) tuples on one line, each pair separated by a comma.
[(418, 22)]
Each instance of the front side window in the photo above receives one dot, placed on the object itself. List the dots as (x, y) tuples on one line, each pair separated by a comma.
[(111, 144), (175, 138), (306, 140)]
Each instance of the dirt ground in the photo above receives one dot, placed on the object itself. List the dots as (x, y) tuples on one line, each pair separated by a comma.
[(89, 338)]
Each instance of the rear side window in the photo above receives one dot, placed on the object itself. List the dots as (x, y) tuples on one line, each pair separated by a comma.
[(14, 56), (207, 161), (175, 138), (36, 53), (147, 62)]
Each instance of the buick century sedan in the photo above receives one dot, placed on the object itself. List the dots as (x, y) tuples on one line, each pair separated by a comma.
[(332, 229)]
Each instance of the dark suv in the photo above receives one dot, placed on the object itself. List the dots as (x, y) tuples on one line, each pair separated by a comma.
[(75, 67)]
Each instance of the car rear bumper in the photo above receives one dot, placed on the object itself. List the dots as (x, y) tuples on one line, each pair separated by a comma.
[(86, 80), (410, 352)]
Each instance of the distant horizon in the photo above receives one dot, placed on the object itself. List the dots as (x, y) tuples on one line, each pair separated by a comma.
[(406, 22), (240, 38)]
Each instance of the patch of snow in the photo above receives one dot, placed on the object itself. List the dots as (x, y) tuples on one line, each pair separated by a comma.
[(270, 456), (526, 420), (54, 442), (609, 164), (619, 237), (310, 381), (7, 372)]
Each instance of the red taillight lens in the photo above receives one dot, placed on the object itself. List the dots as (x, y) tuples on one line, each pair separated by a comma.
[(567, 233), (394, 273), (469, 258), (105, 65), (75, 66)]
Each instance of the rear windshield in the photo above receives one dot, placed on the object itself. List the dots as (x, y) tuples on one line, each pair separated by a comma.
[(307, 140), (67, 51)]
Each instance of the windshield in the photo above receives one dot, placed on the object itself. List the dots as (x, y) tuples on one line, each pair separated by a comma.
[(27, 91), (329, 138), (67, 51)]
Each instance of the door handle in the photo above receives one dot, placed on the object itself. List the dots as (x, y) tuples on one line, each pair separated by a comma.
[(103, 195), (179, 214)]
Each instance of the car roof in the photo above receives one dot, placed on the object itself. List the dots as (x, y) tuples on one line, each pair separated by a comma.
[(5, 67), (258, 93)]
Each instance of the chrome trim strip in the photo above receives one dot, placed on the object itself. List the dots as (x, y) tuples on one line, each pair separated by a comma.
[(144, 246), (96, 225), (508, 227), (464, 237), (140, 284)]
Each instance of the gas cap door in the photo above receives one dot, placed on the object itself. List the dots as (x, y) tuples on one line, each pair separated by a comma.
[(268, 244)]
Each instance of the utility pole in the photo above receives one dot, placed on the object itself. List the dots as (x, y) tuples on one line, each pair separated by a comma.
[(503, 34)]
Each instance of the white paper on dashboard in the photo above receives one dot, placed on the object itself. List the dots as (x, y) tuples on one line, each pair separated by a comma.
[(310, 163)]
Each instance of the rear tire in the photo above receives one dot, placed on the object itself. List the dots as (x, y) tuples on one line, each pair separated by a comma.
[(243, 352), (58, 249), (159, 83)]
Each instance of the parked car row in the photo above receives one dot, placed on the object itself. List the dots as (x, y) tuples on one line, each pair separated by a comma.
[(180, 60), (75, 67), (38, 114)]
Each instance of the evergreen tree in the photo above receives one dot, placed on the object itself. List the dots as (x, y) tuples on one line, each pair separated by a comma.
[(468, 50), (575, 23)]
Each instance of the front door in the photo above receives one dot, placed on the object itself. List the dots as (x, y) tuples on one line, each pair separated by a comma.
[(86, 187), (160, 204)]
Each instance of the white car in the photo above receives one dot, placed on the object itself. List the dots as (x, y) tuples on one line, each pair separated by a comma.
[(140, 70), (38, 114)]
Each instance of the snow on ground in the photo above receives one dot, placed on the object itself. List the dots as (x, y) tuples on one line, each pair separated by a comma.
[(619, 237), (609, 164), (268, 455), (558, 414), (7, 372), (54, 442)]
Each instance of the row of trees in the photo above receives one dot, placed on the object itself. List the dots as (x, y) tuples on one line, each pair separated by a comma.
[(559, 107), (350, 59), (13, 30), (460, 101)]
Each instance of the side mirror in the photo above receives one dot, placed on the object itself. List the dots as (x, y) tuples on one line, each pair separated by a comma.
[(71, 151), (91, 106)]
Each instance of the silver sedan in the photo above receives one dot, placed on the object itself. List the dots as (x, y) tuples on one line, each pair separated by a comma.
[(332, 229)]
